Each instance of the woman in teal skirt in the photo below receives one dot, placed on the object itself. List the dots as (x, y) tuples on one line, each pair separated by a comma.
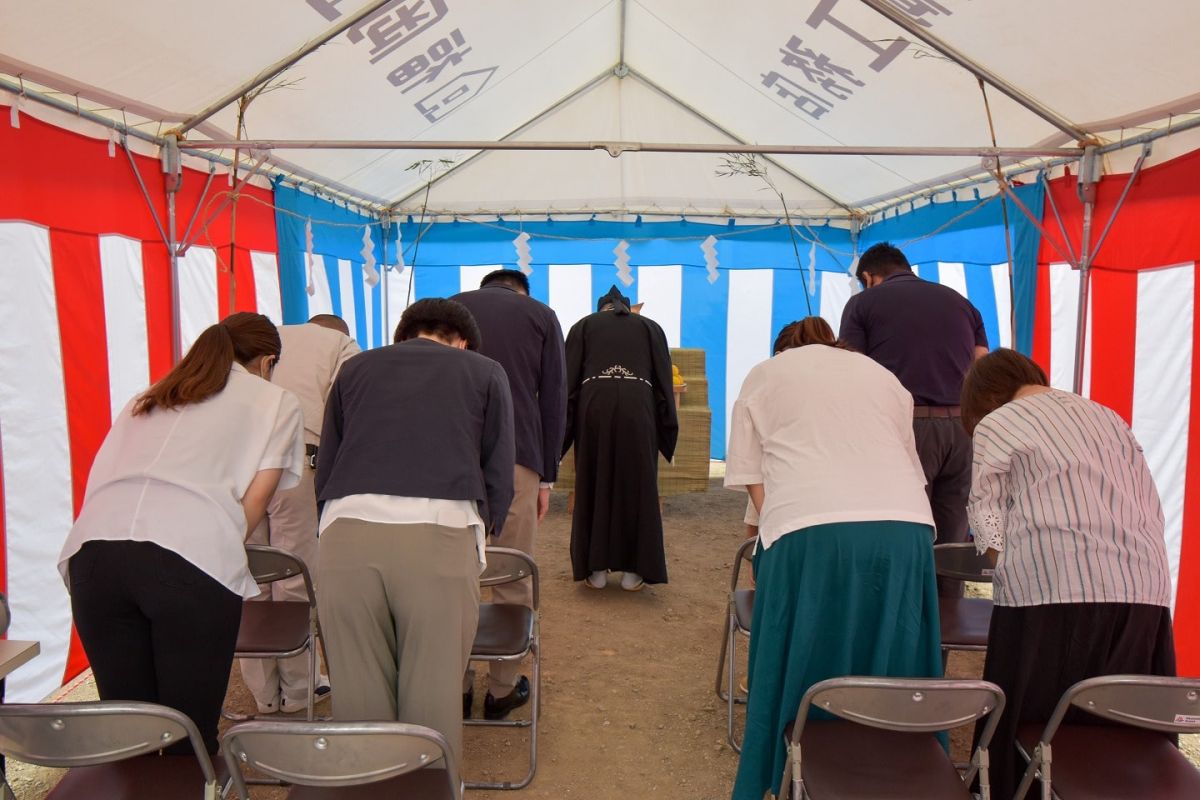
[(822, 440)]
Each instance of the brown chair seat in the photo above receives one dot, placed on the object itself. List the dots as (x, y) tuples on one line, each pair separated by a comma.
[(1111, 762), (424, 784), (504, 630), (743, 607), (279, 626), (848, 761), (145, 776), (965, 621)]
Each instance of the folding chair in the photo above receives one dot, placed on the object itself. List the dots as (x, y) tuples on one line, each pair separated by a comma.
[(109, 748), (1132, 759), (737, 621), (280, 628), (343, 760), (964, 620), (884, 745), (509, 632)]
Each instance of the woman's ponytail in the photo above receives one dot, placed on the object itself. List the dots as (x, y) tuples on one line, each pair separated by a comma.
[(204, 371)]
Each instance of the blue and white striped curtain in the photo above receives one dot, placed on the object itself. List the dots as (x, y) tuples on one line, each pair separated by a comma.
[(759, 288), (337, 264)]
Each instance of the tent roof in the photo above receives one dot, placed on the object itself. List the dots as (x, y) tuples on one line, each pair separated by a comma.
[(822, 72)]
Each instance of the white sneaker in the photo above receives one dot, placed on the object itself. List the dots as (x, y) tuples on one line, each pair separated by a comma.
[(598, 579), (632, 582)]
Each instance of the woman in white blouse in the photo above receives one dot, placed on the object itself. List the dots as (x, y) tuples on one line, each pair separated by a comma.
[(155, 562), (822, 439), (1063, 502)]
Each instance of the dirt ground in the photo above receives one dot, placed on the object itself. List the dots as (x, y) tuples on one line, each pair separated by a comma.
[(628, 707)]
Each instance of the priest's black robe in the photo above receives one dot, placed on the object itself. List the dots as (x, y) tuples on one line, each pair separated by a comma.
[(620, 416)]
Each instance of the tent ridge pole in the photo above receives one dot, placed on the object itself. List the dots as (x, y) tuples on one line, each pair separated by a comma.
[(269, 72), (910, 25), (616, 148), (621, 41)]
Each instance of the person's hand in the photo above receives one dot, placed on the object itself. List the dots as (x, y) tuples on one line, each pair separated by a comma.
[(543, 503)]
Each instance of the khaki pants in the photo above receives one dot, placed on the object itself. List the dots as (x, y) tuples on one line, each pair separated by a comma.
[(399, 606), (519, 529), (290, 524)]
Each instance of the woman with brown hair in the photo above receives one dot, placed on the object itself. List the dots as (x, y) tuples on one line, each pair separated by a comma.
[(822, 440), (155, 563), (1064, 503)]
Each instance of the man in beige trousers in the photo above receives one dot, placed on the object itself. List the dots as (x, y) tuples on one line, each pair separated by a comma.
[(312, 355), (524, 336)]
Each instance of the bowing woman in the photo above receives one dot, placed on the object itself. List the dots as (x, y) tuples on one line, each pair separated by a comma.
[(822, 440), (620, 416), (1063, 502), (156, 563)]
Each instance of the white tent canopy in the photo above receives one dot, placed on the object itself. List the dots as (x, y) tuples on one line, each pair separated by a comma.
[(824, 73)]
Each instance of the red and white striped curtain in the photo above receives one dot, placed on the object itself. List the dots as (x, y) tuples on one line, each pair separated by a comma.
[(85, 306), (1142, 345)]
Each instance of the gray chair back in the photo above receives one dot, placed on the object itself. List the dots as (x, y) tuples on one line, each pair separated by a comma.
[(960, 561), (907, 705), (329, 754), (506, 565), (1168, 705), (910, 705), (270, 564), (86, 734), (745, 552)]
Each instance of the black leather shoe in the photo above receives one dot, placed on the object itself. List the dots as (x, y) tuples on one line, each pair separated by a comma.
[(494, 708), (468, 701)]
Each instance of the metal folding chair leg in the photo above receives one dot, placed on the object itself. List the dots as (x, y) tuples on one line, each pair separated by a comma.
[(727, 670), (722, 695), (531, 723)]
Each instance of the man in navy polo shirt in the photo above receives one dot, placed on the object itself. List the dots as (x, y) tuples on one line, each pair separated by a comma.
[(928, 335)]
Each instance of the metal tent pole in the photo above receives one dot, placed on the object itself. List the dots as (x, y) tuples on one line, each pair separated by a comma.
[(173, 180), (977, 69), (1089, 179), (616, 148), (269, 72)]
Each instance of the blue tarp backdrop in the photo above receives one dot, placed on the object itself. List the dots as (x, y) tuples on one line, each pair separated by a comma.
[(760, 283)]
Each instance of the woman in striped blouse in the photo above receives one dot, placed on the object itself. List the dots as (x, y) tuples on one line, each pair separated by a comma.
[(1064, 504)]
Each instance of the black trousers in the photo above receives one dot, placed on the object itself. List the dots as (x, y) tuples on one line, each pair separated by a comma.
[(155, 628), (945, 452), (1035, 653)]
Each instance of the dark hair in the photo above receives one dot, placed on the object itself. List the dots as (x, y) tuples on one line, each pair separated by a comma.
[(439, 317), (993, 380), (204, 371), (810, 330), (882, 260), (331, 321), (512, 278)]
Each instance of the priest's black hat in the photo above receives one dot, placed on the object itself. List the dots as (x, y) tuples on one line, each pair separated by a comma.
[(618, 301)]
